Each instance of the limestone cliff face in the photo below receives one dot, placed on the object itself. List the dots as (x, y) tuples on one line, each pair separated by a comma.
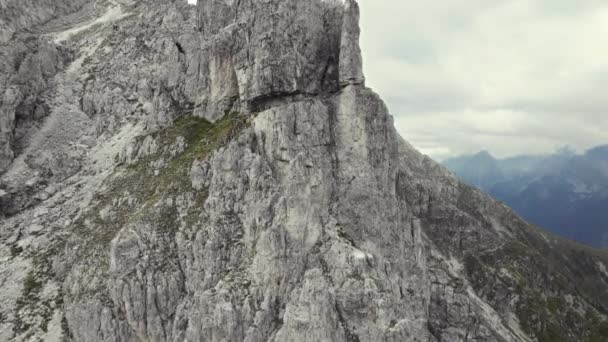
[(28, 66), (221, 173), (27, 15)]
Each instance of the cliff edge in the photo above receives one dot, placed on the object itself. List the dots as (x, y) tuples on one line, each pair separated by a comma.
[(220, 172)]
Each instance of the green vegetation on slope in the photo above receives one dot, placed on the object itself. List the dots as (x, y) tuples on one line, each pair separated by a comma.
[(517, 275), (133, 191)]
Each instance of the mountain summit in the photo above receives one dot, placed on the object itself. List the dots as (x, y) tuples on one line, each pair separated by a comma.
[(220, 172)]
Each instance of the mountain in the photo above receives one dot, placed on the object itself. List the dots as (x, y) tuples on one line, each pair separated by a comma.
[(220, 172), (563, 192), (481, 169)]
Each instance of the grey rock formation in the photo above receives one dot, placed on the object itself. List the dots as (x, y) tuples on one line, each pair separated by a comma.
[(351, 64), (256, 52), (27, 67), (27, 15), (221, 173)]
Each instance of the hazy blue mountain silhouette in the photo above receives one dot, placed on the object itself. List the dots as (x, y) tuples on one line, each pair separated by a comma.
[(564, 192)]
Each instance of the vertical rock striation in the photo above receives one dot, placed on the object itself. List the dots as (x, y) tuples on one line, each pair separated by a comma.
[(231, 178), (27, 67), (351, 64), (257, 52)]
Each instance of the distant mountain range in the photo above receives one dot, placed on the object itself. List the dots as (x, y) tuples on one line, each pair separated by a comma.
[(564, 192)]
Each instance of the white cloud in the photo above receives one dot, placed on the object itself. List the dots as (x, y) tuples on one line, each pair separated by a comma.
[(510, 76)]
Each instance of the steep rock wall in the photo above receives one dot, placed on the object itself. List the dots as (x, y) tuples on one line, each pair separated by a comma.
[(20, 15), (221, 173), (27, 67)]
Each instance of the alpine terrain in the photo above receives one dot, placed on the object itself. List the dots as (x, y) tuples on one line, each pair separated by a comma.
[(564, 192), (220, 172)]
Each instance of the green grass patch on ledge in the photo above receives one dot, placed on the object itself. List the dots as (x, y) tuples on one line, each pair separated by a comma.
[(139, 182)]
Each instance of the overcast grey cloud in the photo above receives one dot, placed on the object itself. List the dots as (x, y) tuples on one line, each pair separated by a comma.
[(509, 76)]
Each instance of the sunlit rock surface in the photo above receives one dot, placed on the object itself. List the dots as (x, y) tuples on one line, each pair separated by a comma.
[(220, 172)]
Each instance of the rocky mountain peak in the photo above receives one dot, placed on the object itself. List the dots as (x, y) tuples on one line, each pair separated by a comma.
[(260, 51), (220, 172)]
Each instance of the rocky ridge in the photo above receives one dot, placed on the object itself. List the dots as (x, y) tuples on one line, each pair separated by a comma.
[(220, 172)]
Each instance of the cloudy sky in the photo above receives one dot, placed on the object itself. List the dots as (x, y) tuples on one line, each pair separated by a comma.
[(508, 76)]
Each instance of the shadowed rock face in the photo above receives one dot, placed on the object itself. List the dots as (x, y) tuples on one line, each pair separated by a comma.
[(25, 15), (221, 173), (30, 67), (26, 69), (259, 51)]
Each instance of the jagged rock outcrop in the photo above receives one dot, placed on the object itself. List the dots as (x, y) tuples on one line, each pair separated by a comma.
[(256, 52), (221, 173), (27, 67), (27, 15), (351, 65)]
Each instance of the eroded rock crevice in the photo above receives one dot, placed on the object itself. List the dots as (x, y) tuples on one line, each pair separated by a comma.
[(220, 172)]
